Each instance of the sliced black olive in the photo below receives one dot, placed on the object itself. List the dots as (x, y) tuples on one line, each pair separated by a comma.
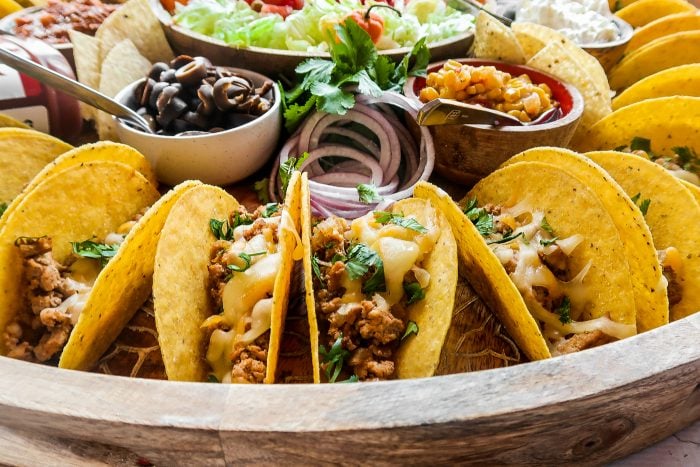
[(165, 97), (155, 92), (180, 61), (143, 91), (192, 73), (226, 89), (168, 76), (196, 119), (157, 69)]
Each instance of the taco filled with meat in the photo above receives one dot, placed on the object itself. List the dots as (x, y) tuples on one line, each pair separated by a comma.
[(543, 253), (380, 291), (221, 285), (673, 215), (61, 248)]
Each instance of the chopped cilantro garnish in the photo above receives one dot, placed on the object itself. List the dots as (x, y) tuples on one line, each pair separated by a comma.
[(506, 239), (223, 231), (368, 193), (3, 208), (546, 227), (414, 292), (640, 144), (360, 259), (212, 379), (564, 311), (316, 269), (643, 205), (687, 158), (270, 209), (411, 328), (288, 167), (352, 379), (548, 241), (261, 189), (482, 220), (93, 250), (247, 258), (384, 217), (335, 358)]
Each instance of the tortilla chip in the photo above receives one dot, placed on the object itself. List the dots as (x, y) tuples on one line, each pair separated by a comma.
[(666, 52), (86, 53), (694, 189), (122, 66), (494, 40), (644, 269), (486, 275), (68, 208), (555, 60), (673, 216), (643, 12), (680, 80), (419, 356), (663, 27), (616, 5), (534, 37), (121, 288), (8, 122), (180, 293), (135, 21), (667, 121), (23, 153)]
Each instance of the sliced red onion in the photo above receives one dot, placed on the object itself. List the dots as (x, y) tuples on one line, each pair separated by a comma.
[(333, 187)]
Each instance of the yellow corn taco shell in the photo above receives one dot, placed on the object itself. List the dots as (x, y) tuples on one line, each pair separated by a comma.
[(683, 80), (181, 275), (673, 217), (664, 26), (23, 153), (8, 122), (642, 12), (649, 289), (419, 355), (121, 288), (694, 189), (666, 52), (486, 275), (67, 209), (667, 121)]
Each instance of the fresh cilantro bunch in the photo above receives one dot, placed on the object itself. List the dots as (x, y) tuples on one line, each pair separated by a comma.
[(355, 66)]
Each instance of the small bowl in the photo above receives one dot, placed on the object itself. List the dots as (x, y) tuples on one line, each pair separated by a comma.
[(467, 153), (215, 158), (609, 53), (273, 62)]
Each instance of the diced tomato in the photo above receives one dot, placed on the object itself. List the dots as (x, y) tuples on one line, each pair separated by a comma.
[(282, 10)]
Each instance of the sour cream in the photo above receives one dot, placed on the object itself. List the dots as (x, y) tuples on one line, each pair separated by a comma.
[(582, 21)]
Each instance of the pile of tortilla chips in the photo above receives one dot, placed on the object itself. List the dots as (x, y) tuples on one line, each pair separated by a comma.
[(545, 49), (116, 56)]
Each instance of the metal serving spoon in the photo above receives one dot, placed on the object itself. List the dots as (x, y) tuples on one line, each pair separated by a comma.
[(452, 112), (74, 89), (470, 5)]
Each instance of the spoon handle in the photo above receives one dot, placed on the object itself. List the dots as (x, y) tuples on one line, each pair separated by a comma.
[(72, 88), (450, 112), (463, 5)]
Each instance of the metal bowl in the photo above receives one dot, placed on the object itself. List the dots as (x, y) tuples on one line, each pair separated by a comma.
[(272, 62), (609, 53)]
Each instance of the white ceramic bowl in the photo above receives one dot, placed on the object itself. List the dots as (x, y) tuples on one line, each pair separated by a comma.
[(215, 158)]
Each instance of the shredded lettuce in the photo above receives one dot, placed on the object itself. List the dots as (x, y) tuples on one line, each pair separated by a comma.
[(306, 30)]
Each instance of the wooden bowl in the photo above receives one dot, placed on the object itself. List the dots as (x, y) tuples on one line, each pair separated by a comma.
[(467, 153), (609, 53), (272, 62), (588, 408)]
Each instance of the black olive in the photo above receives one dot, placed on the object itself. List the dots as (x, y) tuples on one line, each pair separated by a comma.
[(155, 92), (180, 61), (157, 69)]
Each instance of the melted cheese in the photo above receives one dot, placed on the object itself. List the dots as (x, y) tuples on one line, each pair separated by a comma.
[(398, 257), (81, 277), (220, 345), (246, 288)]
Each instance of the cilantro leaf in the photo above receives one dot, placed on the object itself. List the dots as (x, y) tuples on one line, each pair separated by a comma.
[(270, 209), (261, 189), (365, 84), (332, 99), (367, 193), (640, 144), (212, 379), (548, 241), (482, 220), (288, 167), (384, 217), (314, 69), (414, 291), (644, 205), (352, 379), (411, 328), (247, 259), (687, 158), (546, 227), (222, 230), (383, 72), (506, 239), (413, 64), (3, 208), (294, 114), (564, 311), (93, 250), (335, 358), (316, 269), (360, 258), (354, 51)]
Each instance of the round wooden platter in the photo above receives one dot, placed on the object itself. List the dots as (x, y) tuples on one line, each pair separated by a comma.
[(589, 408)]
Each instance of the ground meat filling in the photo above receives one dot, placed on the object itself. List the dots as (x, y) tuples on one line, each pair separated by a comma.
[(671, 263), (40, 330), (249, 360), (583, 341), (370, 330)]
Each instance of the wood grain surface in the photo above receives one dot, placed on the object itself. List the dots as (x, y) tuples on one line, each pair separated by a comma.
[(592, 407)]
